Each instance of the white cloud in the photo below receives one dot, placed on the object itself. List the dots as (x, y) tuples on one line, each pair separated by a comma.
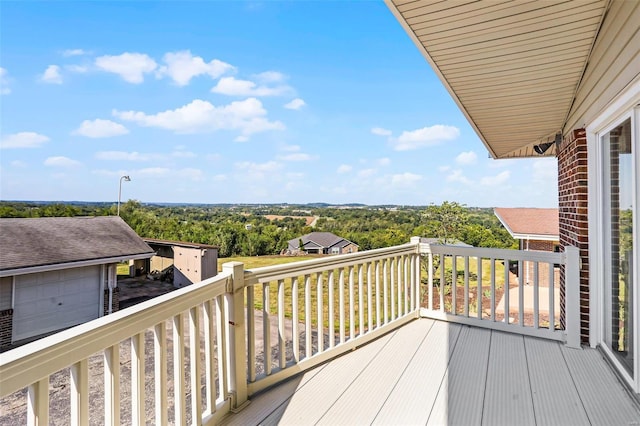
[(290, 148), (61, 161), (125, 156), (234, 87), (426, 136), (467, 158), (23, 140), (384, 161), (270, 77), (182, 66), (74, 52), (380, 131), (444, 168), (52, 75), (190, 174), (130, 66), (181, 153), (344, 168), (268, 167), (18, 163), (200, 116), (77, 68), (366, 173), (405, 179), (298, 156), (496, 180), (4, 82), (458, 176), (296, 104), (99, 128)]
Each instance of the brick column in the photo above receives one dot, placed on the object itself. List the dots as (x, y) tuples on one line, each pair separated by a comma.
[(572, 205)]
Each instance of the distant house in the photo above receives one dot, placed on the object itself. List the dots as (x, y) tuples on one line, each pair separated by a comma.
[(535, 229), (322, 243), (57, 272)]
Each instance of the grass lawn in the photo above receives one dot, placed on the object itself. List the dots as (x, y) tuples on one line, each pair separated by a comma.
[(123, 268)]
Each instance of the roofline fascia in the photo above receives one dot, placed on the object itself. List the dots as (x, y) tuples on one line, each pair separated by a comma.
[(396, 13), (69, 265)]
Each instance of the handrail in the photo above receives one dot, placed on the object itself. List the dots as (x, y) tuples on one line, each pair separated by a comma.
[(25, 365), (525, 255)]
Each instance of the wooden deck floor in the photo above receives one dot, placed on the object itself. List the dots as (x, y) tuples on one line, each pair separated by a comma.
[(433, 372)]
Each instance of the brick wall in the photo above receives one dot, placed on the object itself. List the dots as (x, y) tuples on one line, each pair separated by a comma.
[(115, 301), (6, 327), (540, 245), (572, 204)]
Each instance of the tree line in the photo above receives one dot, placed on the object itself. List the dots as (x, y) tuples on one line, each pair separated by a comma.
[(243, 230)]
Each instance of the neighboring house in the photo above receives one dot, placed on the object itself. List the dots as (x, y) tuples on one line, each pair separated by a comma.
[(322, 243), (192, 262), (535, 229), (57, 272), (558, 79)]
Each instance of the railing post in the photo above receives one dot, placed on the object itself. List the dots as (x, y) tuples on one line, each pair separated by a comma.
[(572, 296), (236, 345)]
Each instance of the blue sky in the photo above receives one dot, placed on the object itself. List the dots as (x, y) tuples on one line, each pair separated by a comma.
[(237, 102)]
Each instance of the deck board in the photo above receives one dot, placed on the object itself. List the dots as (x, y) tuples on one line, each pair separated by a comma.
[(362, 400), (465, 381), (507, 398), (411, 399), (555, 397), (449, 374)]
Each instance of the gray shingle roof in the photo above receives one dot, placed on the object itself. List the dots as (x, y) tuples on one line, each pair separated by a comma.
[(321, 239), (28, 242)]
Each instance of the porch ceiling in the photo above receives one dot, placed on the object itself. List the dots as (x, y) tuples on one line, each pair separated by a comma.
[(512, 66)]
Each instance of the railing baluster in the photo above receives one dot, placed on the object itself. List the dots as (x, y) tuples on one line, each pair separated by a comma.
[(493, 289), (521, 266), (295, 332), (454, 282), (392, 287), (38, 403), (479, 290), (222, 325), (408, 293), (332, 314), (385, 279), (399, 266), (442, 282), (194, 358), (378, 323), (352, 308), (266, 327), (251, 331), (341, 305), (178, 370), (209, 358), (137, 379), (320, 307), (369, 298), (552, 307), (361, 297), (418, 281), (79, 393), (430, 281), (307, 316), (536, 295), (160, 372), (112, 385), (282, 342), (506, 291), (466, 286)]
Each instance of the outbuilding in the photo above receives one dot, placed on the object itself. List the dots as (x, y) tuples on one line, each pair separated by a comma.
[(57, 272)]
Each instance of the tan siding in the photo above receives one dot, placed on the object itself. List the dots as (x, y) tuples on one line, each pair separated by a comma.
[(6, 289), (614, 64)]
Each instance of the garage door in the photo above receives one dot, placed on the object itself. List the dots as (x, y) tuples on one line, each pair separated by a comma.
[(50, 301)]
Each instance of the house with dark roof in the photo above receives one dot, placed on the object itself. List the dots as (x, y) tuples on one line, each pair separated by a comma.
[(322, 243), (57, 272)]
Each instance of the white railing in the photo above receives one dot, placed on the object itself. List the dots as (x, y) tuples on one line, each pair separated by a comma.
[(317, 309), (509, 290), (73, 357), (247, 330)]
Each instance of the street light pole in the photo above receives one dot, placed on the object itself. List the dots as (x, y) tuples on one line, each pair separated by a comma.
[(126, 179)]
